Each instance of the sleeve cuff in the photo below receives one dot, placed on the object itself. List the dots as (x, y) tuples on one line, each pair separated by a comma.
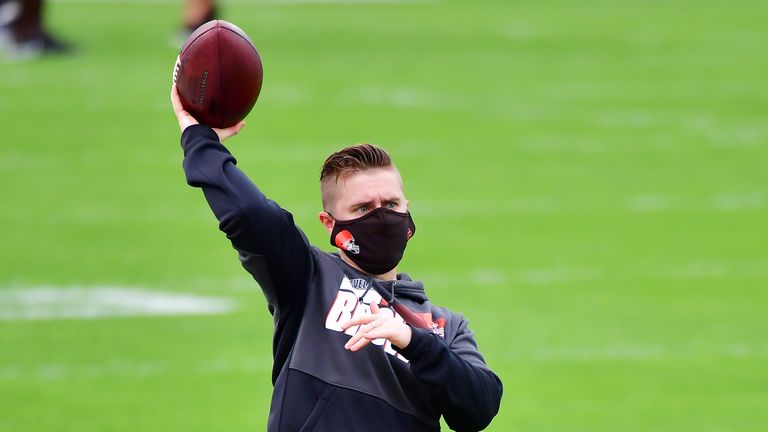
[(421, 343), (191, 133)]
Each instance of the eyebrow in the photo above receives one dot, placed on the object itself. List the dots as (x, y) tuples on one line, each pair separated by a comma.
[(368, 203)]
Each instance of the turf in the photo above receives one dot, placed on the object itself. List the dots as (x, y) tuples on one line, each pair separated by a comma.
[(588, 178)]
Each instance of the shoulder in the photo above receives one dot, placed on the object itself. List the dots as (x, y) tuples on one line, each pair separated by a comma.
[(447, 323), (325, 258)]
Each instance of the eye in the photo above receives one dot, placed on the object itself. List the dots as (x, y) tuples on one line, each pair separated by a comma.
[(392, 205), (362, 209)]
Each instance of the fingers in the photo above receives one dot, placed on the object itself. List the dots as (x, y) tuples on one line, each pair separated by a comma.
[(230, 131), (385, 330), (373, 326), (365, 319), (366, 323), (388, 329), (357, 341), (361, 338), (358, 344), (178, 107), (378, 325), (175, 100), (184, 118)]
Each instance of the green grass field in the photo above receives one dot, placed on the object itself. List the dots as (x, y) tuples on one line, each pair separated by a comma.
[(589, 179)]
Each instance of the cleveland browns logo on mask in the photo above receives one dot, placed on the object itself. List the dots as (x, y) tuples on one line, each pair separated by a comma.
[(345, 241), (376, 241)]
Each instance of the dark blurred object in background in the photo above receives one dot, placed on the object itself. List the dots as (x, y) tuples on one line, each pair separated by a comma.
[(197, 13), (194, 14), (22, 33)]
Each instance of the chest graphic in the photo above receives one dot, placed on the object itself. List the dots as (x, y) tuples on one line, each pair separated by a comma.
[(353, 300)]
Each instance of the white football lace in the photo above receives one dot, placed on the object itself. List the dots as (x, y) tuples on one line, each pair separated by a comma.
[(176, 68)]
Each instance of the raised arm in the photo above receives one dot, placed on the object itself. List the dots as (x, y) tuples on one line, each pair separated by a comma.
[(270, 245)]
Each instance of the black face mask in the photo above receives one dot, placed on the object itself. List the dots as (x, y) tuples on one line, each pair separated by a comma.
[(375, 241)]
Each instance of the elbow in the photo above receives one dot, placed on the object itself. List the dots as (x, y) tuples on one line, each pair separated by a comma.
[(232, 223), (198, 170), (494, 402), (474, 422), (484, 410), (486, 414), (254, 224)]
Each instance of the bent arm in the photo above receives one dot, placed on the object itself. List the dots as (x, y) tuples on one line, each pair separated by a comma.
[(257, 227), (469, 393)]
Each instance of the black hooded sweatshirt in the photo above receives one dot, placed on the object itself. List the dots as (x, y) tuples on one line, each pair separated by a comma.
[(319, 385)]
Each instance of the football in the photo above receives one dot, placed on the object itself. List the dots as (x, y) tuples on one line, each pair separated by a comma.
[(218, 74)]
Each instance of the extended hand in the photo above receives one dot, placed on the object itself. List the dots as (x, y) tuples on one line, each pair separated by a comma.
[(379, 324), (186, 120)]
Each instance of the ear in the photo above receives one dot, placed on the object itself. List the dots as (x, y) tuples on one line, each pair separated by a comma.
[(327, 220)]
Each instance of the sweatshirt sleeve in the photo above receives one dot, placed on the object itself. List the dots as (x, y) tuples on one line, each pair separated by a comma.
[(468, 392), (262, 232)]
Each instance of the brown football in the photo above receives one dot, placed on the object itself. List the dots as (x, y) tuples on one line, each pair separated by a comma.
[(218, 74)]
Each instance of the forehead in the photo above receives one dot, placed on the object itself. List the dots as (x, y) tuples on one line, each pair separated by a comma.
[(370, 184)]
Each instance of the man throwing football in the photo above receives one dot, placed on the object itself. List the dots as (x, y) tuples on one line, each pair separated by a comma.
[(357, 345)]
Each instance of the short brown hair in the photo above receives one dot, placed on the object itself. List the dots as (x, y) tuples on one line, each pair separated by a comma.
[(358, 157)]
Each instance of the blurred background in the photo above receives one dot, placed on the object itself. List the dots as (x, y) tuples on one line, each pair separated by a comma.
[(589, 180)]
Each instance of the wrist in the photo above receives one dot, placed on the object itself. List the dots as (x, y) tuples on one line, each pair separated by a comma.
[(421, 342), (404, 339)]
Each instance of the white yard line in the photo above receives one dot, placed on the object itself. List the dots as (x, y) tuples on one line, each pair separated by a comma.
[(51, 302), (739, 201), (54, 371)]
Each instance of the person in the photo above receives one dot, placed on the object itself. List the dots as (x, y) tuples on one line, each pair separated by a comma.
[(197, 13), (22, 32), (357, 345)]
